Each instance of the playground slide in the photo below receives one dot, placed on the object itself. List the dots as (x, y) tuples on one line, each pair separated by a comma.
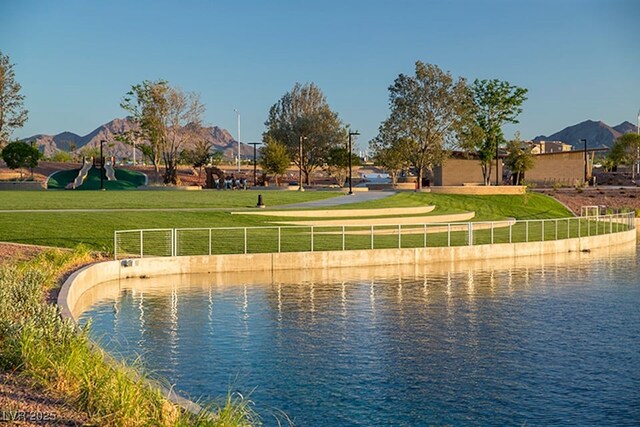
[(110, 172), (82, 175)]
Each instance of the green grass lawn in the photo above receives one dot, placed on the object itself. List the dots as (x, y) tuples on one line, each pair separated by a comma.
[(95, 229)]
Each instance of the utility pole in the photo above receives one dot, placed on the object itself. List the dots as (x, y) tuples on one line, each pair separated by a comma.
[(585, 159), (350, 134), (238, 116)]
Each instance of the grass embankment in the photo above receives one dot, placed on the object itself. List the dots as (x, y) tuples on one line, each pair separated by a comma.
[(125, 180), (55, 355), (95, 229)]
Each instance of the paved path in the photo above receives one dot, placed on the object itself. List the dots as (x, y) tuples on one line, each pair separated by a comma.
[(356, 197)]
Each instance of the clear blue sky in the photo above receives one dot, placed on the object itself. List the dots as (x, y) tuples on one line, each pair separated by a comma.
[(580, 59)]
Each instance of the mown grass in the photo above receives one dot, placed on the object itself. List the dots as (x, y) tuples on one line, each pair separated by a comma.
[(54, 354), (95, 229), (153, 199)]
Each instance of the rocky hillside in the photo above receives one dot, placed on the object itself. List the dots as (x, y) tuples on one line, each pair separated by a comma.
[(69, 141), (598, 134)]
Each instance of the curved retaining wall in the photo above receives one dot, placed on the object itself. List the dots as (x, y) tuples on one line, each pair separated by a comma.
[(88, 277), (480, 190)]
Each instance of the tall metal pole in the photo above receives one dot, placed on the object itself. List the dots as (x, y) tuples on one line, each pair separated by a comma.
[(638, 148), (300, 188), (585, 159), (255, 171), (497, 163), (350, 185), (238, 115), (101, 165)]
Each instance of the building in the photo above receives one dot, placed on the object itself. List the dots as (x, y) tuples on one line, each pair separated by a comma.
[(544, 147)]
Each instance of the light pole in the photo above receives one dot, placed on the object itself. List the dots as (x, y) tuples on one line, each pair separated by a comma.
[(102, 141), (584, 141), (300, 188), (255, 172), (238, 116), (350, 134)]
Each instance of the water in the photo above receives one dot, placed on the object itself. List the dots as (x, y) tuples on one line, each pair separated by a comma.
[(535, 341)]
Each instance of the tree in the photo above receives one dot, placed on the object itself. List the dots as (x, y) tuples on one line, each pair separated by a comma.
[(18, 155), (337, 165), (168, 119), (519, 158), (425, 111), (199, 155), (625, 151), (12, 112), (303, 117), (274, 158), (495, 104)]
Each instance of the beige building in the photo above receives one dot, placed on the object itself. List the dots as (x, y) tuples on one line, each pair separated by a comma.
[(460, 171), (565, 168), (544, 147)]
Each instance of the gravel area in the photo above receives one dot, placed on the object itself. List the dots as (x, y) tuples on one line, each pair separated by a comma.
[(611, 197), (24, 405)]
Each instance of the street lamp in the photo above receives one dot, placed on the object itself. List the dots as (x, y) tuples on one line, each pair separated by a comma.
[(238, 116), (255, 173), (300, 188), (585, 159), (102, 141), (350, 134)]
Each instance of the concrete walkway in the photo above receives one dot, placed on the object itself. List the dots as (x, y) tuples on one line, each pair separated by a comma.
[(356, 197)]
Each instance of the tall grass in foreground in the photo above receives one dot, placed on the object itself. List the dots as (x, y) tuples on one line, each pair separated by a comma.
[(59, 357)]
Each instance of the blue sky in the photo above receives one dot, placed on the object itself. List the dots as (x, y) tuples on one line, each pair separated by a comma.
[(580, 59)]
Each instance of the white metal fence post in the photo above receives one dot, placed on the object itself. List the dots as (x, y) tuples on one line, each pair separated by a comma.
[(470, 234), (492, 232), (279, 237), (448, 235), (579, 228), (542, 228), (312, 238), (399, 236), (372, 236), (510, 231), (343, 237), (425, 235), (556, 238), (526, 231), (209, 241), (588, 227), (245, 240), (142, 245), (115, 245)]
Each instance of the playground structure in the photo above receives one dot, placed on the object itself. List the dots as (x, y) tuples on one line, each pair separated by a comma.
[(87, 164)]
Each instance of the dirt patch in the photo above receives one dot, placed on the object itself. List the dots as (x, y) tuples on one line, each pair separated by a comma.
[(615, 198), (24, 405), (16, 252)]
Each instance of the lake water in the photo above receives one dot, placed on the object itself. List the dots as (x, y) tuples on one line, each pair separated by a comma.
[(544, 341)]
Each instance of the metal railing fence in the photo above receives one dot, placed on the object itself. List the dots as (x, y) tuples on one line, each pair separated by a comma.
[(276, 239)]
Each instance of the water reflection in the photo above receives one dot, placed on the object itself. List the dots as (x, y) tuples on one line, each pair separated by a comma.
[(547, 340)]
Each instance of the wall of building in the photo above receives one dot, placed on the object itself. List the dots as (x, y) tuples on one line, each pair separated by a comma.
[(564, 168), (461, 171)]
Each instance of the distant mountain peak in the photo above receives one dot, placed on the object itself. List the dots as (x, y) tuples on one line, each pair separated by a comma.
[(220, 138), (597, 133)]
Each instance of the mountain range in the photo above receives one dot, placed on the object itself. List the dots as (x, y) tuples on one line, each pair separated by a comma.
[(69, 141), (598, 134)]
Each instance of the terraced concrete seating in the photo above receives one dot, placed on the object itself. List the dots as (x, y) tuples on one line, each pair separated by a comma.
[(465, 216), (82, 175), (109, 171), (342, 213)]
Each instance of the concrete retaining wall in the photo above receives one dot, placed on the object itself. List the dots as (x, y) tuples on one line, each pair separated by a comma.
[(480, 190), (21, 185), (86, 278)]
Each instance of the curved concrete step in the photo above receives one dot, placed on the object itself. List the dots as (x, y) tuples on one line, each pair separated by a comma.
[(409, 220), (342, 213)]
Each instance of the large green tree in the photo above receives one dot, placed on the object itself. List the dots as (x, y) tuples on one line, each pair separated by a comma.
[(495, 104), (519, 158), (168, 118), (425, 111), (274, 158), (12, 112), (337, 165), (388, 154), (18, 155), (303, 117), (625, 151)]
